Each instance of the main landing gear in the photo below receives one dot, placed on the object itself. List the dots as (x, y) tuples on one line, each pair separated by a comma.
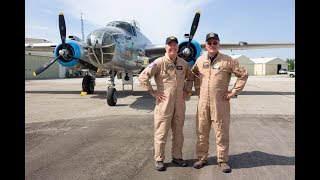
[(88, 83)]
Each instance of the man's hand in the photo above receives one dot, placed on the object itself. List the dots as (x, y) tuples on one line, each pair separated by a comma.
[(227, 95), (158, 95)]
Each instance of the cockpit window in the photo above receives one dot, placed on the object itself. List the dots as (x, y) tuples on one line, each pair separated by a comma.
[(100, 37), (107, 39), (123, 25), (119, 38)]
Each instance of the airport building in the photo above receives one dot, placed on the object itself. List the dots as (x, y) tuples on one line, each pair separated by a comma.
[(246, 62), (35, 60), (268, 66)]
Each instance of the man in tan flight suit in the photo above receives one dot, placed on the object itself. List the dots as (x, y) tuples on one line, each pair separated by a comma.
[(170, 73), (212, 74)]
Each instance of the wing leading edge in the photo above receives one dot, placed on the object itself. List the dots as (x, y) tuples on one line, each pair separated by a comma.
[(244, 46), (153, 50)]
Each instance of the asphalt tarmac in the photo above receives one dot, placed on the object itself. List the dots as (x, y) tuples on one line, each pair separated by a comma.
[(69, 136)]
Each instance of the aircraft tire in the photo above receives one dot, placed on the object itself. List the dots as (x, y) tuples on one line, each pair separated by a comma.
[(112, 96), (88, 84)]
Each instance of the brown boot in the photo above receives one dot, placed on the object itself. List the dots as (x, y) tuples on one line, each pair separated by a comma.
[(224, 167), (159, 165), (200, 163)]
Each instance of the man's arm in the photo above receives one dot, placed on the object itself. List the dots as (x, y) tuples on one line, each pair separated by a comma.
[(145, 76), (242, 77), (188, 81)]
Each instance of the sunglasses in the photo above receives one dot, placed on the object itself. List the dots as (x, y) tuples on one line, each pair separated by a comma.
[(214, 43)]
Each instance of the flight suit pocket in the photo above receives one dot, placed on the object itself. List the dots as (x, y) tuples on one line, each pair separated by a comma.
[(165, 74), (180, 73)]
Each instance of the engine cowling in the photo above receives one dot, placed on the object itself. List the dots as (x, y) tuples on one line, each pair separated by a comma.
[(75, 49), (189, 54)]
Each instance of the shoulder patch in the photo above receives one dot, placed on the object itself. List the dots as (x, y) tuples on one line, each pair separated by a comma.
[(152, 64)]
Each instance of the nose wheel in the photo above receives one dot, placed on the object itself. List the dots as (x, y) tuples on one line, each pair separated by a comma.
[(112, 92), (112, 96)]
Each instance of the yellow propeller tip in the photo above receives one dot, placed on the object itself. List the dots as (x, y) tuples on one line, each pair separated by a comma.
[(98, 70), (198, 12), (34, 74), (60, 13)]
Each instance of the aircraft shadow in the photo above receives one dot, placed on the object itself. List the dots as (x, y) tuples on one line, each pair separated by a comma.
[(52, 92), (146, 102), (249, 160), (125, 93), (266, 93)]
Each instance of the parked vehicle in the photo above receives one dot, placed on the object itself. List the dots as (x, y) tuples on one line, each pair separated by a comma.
[(291, 73), (283, 71)]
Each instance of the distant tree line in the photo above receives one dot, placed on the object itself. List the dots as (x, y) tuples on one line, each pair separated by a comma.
[(291, 64)]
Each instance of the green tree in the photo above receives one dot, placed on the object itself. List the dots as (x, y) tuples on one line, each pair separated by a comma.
[(291, 63)]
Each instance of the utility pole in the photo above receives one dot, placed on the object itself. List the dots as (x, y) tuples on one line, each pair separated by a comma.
[(82, 31)]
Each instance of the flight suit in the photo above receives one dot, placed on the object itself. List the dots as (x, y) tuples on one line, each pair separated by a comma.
[(170, 79), (213, 80)]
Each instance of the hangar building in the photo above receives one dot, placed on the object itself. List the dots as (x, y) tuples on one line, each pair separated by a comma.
[(268, 66)]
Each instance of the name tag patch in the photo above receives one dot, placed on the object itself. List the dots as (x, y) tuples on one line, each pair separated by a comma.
[(179, 67), (216, 66)]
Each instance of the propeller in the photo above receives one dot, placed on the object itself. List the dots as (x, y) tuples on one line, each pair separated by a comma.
[(194, 26), (63, 53), (44, 67), (87, 64), (186, 51), (62, 28)]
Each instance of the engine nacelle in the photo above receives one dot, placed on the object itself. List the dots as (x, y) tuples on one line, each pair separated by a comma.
[(75, 49), (189, 54)]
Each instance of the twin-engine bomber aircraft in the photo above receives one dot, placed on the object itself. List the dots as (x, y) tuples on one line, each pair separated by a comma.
[(122, 50)]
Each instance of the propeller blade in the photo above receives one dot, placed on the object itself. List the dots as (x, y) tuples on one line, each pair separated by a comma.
[(44, 67), (87, 64), (62, 28), (194, 26)]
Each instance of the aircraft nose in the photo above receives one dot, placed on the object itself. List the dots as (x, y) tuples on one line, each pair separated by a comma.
[(101, 46), (101, 54)]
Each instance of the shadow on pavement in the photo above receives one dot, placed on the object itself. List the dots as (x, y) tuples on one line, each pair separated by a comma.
[(247, 160)]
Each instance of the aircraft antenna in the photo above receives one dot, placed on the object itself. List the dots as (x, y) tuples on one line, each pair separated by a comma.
[(82, 31)]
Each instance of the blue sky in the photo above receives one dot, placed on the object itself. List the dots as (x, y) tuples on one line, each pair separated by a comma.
[(254, 21)]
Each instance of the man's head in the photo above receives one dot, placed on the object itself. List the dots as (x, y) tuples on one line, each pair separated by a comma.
[(212, 43), (172, 46), (212, 35), (171, 38)]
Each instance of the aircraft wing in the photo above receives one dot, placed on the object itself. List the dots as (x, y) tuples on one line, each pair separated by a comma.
[(46, 47), (40, 53), (242, 45), (153, 50)]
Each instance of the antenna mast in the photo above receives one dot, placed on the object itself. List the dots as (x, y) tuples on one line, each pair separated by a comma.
[(82, 27)]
